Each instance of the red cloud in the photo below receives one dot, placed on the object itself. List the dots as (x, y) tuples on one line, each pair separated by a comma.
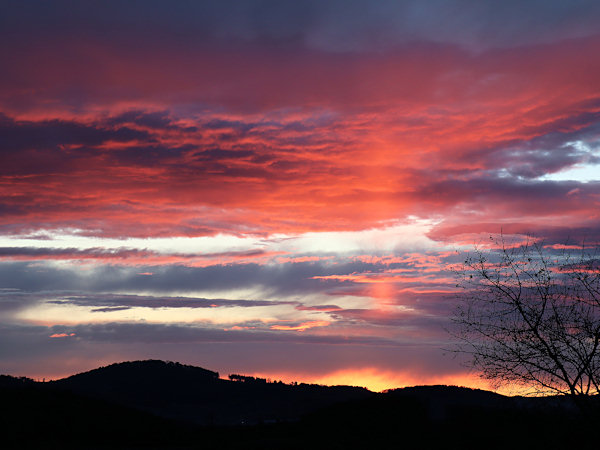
[(62, 335), (319, 142)]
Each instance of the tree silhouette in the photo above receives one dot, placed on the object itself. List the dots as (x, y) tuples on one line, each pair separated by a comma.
[(529, 315)]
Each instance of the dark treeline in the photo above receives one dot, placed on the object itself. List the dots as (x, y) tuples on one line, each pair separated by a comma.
[(152, 404)]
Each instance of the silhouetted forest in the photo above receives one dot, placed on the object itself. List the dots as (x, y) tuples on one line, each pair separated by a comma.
[(156, 404)]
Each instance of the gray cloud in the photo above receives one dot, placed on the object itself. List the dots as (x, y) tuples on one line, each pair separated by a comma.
[(550, 151), (25, 135), (12, 300), (281, 279), (157, 333), (115, 302), (96, 252), (402, 321), (335, 25), (154, 120), (120, 253)]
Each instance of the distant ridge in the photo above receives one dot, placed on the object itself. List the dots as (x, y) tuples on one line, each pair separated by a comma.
[(450, 394), (197, 395), (145, 372), (158, 404), (7, 381)]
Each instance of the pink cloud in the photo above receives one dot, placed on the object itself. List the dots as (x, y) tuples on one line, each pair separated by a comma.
[(302, 326)]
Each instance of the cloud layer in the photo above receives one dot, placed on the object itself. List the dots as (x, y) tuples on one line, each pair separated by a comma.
[(265, 176)]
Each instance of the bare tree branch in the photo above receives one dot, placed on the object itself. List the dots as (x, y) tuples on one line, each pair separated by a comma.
[(530, 315)]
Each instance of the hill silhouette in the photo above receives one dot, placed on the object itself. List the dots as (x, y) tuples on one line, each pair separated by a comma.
[(199, 396), (157, 404)]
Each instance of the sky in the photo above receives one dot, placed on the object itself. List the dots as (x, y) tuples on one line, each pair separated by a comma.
[(280, 188)]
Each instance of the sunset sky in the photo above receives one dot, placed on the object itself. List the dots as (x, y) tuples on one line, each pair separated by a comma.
[(279, 188)]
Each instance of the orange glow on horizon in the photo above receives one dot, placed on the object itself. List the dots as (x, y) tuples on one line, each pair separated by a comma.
[(378, 380)]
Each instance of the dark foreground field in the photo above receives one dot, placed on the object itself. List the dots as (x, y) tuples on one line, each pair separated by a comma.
[(153, 404)]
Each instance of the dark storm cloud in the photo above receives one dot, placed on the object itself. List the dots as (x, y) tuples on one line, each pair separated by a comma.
[(334, 25), (49, 134)]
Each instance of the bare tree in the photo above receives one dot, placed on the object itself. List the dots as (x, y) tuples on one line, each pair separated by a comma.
[(529, 315)]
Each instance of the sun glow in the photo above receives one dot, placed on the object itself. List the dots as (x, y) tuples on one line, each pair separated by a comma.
[(378, 380)]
